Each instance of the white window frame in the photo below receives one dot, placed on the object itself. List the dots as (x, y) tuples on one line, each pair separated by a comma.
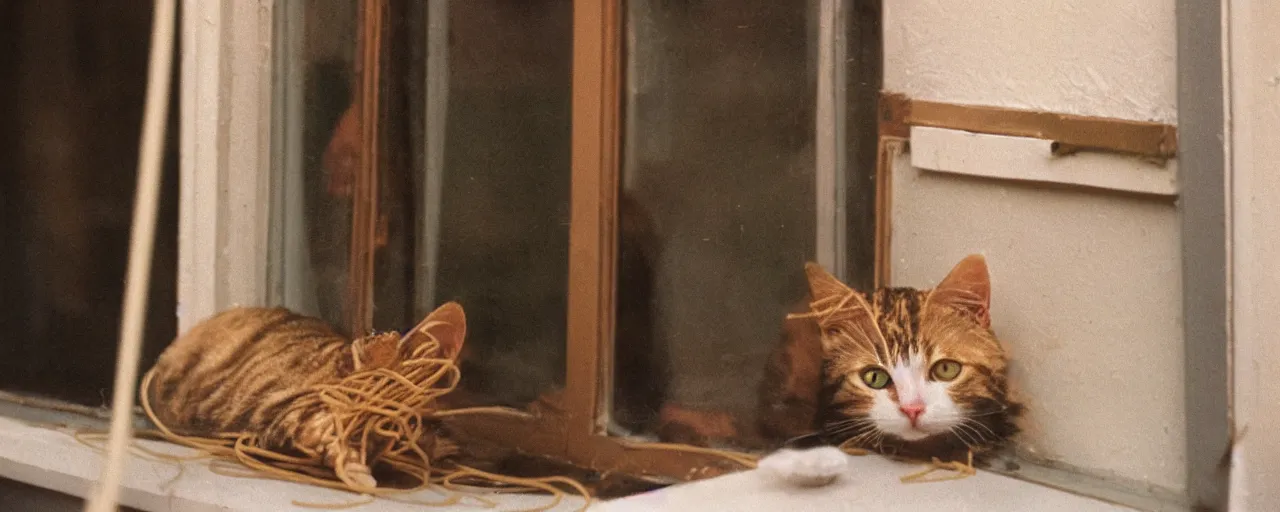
[(226, 113), (225, 156)]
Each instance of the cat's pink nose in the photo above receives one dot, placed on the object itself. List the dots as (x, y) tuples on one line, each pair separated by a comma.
[(913, 411)]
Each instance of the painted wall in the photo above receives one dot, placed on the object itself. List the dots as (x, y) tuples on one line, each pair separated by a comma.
[(1087, 57), (1087, 290), (1255, 238)]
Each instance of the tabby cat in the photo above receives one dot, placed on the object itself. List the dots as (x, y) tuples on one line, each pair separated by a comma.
[(916, 373), (245, 370)]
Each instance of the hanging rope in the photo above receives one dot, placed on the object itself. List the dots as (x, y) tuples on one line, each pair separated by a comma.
[(141, 245)]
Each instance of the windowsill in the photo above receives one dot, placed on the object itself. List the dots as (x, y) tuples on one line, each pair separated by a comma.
[(870, 484), (53, 459)]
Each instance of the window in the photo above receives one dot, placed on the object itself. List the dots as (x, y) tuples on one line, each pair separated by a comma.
[(623, 195), (580, 177), (622, 192)]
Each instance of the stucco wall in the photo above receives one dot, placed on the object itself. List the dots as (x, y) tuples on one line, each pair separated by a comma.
[(1087, 290), (1088, 57)]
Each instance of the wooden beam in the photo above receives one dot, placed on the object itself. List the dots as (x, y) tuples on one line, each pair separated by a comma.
[(364, 203), (1069, 132), (596, 131)]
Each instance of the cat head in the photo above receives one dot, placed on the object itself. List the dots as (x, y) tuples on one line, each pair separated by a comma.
[(913, 370), (446, 326)]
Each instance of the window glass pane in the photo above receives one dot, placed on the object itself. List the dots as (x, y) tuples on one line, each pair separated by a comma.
[(504, 212), (473, 177), (474, 190), (318, 137), (717, 210), (75, 82)]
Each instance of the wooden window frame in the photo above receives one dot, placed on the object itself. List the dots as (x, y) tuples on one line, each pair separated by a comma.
[(570, 425), (225, 160), (364, 197)]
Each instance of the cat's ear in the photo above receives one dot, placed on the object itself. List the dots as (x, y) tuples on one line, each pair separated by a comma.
[(967, 288), (823, 285), (856, 317), (448, 325)]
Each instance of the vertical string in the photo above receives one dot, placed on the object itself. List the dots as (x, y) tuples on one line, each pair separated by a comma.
[(141, 245)]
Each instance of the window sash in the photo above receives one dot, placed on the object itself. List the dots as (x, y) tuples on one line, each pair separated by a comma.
[(574, 427)]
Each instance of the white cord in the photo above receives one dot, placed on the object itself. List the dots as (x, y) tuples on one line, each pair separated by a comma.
[(137, 281)]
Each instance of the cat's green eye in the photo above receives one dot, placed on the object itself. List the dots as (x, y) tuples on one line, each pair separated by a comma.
[(945, 370), (875, 378)]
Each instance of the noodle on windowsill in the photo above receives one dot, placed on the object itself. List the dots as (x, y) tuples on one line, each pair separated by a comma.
[(399, 404), (959, 470)]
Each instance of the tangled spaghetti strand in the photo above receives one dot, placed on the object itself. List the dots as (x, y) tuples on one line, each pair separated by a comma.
[(399, 403)]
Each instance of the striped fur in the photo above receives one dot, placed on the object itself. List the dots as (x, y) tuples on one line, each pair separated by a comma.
[(890, 328), (250, 370)]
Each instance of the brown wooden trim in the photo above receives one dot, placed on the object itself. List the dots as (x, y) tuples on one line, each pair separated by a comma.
[(593, 219), (1069, 133), (899, 113), (364, 203), (535, 434), (888, 148), (656, 462), (597, 59), (894, 110)]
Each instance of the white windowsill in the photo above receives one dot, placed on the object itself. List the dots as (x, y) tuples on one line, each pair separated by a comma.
[(871, 484), (53, 459)]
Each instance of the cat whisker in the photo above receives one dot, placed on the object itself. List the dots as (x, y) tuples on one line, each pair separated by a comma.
[(846, 425), (869, 427), (970, 434), (967, 435), (977, 437), (869, 435), (974, 414), (861, 433), (1001, 410), (974, 422), (839, 430), (878, 442), (846, 422), (959, 435)]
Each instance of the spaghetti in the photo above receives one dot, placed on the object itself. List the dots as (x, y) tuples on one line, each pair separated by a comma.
[(399, 403)]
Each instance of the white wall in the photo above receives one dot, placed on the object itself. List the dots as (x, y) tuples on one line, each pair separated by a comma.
[(1089, 57), (1087, 283), (1254, 89)]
